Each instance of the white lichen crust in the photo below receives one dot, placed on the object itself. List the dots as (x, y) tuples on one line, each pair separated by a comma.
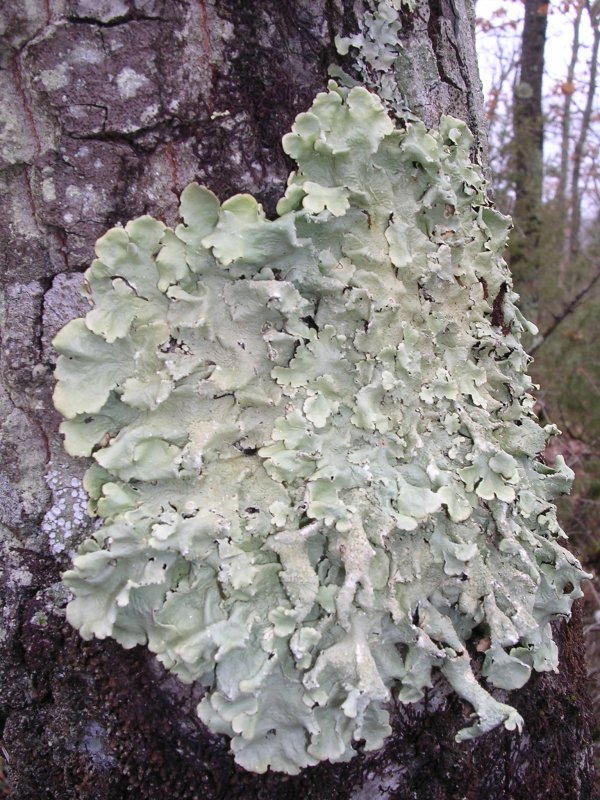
[(316, 456)]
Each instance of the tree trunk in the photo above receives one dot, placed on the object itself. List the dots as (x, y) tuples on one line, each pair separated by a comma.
[(112, 107), (527, 156)]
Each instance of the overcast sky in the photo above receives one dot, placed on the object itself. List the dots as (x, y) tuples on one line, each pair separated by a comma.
[(499, 46)]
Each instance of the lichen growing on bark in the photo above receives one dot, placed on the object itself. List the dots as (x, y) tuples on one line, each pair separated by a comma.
[(316, 455)]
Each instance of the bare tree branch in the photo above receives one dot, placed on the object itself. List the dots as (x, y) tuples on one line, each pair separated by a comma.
[(567, 310)]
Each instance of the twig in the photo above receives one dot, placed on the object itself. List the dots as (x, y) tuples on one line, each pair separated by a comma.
[(567, 310)]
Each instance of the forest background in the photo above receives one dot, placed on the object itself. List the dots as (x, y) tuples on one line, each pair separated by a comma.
[(539, 66)]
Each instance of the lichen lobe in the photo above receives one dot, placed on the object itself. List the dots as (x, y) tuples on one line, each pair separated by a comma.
[(316, 454)]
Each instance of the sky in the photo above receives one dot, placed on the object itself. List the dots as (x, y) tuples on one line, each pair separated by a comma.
[(498, 45)]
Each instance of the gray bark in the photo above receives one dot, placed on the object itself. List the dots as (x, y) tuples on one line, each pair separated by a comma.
[(110, 108)]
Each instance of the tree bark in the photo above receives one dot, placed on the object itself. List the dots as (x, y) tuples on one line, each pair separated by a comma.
[(112, 107)]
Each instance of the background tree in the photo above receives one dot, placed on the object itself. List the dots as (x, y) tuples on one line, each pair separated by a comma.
[(555, 254), (112, 107), (528, 152)]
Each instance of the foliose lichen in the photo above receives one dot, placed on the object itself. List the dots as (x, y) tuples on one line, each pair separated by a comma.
[(316, 456), (376, 51)]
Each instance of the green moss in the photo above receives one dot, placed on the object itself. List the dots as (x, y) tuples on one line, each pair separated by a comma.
[(316, 456)]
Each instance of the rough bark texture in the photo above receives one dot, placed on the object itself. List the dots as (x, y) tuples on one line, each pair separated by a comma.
[(112, 107)]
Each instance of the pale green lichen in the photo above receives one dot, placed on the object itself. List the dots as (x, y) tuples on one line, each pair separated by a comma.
[(376, 51), (316, 456)]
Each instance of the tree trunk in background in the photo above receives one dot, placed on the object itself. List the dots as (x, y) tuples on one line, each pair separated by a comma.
[(111, 107), (527, 156)]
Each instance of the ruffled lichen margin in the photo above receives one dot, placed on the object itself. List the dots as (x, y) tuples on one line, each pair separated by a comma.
[(316, 458)]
